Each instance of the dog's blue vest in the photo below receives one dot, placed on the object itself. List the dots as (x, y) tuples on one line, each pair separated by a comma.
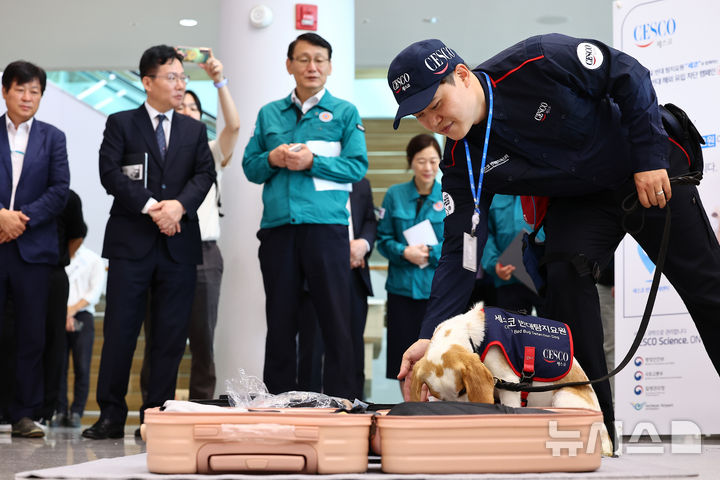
[(531, 344)]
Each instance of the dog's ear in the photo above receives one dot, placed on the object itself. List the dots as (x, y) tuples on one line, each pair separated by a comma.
[(478, 380), (419, 372)]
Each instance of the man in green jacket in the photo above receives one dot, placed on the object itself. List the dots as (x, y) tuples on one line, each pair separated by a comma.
[(306, 151)]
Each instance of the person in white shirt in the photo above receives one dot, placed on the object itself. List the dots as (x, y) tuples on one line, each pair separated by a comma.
[(86, 275)]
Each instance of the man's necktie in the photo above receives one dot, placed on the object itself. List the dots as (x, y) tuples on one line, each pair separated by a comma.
[(160, 136)]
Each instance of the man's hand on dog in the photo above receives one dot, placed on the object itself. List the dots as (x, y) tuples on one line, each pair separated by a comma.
[(410, 358)]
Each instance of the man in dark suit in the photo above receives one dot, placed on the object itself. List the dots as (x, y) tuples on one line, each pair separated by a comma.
[(159, 168), (34, 183), (363, 232)]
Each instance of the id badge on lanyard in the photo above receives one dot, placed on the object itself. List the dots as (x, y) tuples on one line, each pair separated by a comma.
[(469, 239)]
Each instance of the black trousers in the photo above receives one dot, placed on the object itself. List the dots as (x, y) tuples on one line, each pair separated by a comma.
[(79, 346), (518, 298), (291, 255), (27, 284), (404, 318), (55, 341), (593, 226), (201, 332), (311, 349), (171, 286)]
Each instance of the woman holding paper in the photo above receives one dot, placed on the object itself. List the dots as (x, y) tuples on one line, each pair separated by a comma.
[(409, 235)]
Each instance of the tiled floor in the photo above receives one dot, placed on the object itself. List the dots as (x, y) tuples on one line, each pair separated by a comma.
[(61, 446)]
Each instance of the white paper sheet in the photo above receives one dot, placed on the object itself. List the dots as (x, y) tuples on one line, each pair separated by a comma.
[(421, 234), (327, 149)]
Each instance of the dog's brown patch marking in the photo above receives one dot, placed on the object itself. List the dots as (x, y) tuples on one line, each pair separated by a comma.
[(471, 374), (448, 331), (576, 374)]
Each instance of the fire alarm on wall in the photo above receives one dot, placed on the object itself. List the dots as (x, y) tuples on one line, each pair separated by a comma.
[(306, 16)]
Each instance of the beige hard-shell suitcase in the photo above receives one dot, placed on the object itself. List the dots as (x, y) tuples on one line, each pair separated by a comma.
[(562, 440), (298, 440)]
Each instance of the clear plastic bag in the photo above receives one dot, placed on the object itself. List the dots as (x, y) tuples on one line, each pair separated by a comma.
[(248, 391)]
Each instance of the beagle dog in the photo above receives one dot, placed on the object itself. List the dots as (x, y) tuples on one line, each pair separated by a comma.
[(452, 368)]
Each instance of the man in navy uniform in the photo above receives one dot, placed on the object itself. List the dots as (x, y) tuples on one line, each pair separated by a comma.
[(578, 122), (159, 168)]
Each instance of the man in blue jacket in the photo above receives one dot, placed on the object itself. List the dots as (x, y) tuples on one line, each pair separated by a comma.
[(576, 121), (306, 151), (34, 186)]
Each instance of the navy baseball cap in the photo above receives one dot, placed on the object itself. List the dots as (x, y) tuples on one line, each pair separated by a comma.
[(415, 74)]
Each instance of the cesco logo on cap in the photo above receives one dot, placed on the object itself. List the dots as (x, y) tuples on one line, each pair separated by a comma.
[(439, 58), (401, 83)]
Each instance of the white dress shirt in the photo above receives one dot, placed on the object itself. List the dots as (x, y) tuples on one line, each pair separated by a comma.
[(309, 103), (18, 140), (86, 276)]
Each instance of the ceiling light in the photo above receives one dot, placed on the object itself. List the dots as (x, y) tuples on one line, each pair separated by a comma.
[(188, 22)]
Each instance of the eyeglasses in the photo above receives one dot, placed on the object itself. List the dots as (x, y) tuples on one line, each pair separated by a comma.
[(173, 77), (305, 61)]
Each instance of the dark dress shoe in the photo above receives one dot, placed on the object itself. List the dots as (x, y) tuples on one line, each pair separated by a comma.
[(104, 428)]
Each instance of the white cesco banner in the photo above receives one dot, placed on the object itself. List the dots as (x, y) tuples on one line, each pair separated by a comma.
[(671, 378)]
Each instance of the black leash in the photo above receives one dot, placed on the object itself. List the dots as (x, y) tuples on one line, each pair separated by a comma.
[(629, 205)]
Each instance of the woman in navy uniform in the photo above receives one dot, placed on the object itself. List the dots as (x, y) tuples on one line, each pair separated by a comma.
[(578, 122), (411, 267)]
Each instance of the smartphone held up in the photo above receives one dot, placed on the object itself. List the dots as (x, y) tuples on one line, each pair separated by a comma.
[(194, 54)]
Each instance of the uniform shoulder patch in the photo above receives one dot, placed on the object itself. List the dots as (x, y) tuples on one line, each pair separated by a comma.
[(590, 55), (360, 127), (449, 204)]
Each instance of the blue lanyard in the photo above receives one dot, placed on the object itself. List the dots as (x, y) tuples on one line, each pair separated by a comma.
[(477, 190)]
